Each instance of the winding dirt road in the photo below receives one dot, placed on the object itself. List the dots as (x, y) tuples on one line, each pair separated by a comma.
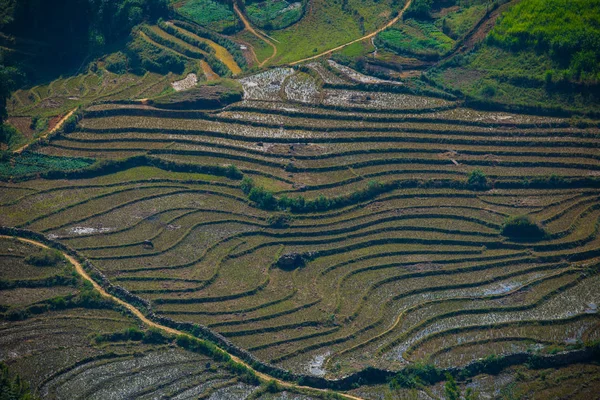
[(253, 31), (138, 314), (368, 36), (249, 27)]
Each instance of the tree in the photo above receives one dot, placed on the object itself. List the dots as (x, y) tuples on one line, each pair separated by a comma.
[(522, 227), (451, 389), (8, 82), (420, 8), (477, 180)]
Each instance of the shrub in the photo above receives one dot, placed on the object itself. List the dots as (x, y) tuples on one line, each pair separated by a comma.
[(451, 389), (477, 180), (263, 198), (232, 172), (247, 185), (415, 375), (280, 220), (420, 8), (117, 63), (12, 387), (522, 227), (45, 258)]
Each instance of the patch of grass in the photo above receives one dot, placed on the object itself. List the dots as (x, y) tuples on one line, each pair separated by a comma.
[(31, 163), (566, 30), (416, 38), (458, 23), (275, 14), (143, 55), (328, 24), (211, 14)]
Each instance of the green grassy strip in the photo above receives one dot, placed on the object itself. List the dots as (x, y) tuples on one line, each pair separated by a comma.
[(230, 45), (196, 54)]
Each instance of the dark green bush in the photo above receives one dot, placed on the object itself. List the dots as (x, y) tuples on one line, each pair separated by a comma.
[(12, 387), (415, 375), (117, 63), (279, 220), (477, 180), (522, 227), (45, 258)]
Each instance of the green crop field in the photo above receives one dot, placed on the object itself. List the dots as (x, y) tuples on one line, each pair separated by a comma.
[(193, 213)]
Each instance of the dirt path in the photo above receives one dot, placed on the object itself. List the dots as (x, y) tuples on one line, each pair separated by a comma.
[(369, 36), (479, 32), (56, 127), (137, 313), (250, 29)]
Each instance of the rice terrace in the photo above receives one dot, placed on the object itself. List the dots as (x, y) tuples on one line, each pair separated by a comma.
[(300, 199)]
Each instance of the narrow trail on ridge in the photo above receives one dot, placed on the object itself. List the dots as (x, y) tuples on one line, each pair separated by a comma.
[(253, 31), (368, 36), (56, 127), (138, 314)]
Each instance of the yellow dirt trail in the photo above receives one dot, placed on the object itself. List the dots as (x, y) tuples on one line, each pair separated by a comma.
[(253, 31), (369, 36), (138, 314)]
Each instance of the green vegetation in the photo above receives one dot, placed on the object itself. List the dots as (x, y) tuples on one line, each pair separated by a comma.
[(541, 55), (346, 230), (45, 258), (93, 27), (417, 38), (330, 24), (212, 14), (565, 30), (149, 336), (28, 163), (477, 180), (522, 227), (145, 56), (274, 14), (10, 138), (12, 387), (451, 389)]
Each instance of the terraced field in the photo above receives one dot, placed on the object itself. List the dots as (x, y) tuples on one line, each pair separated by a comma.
[(396, 256), (206, 53), (98, 351)]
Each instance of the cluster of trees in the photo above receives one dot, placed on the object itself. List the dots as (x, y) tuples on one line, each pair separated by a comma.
[(151, 336), (266, 200), (75, 27), (52, 38), (12, 387)]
